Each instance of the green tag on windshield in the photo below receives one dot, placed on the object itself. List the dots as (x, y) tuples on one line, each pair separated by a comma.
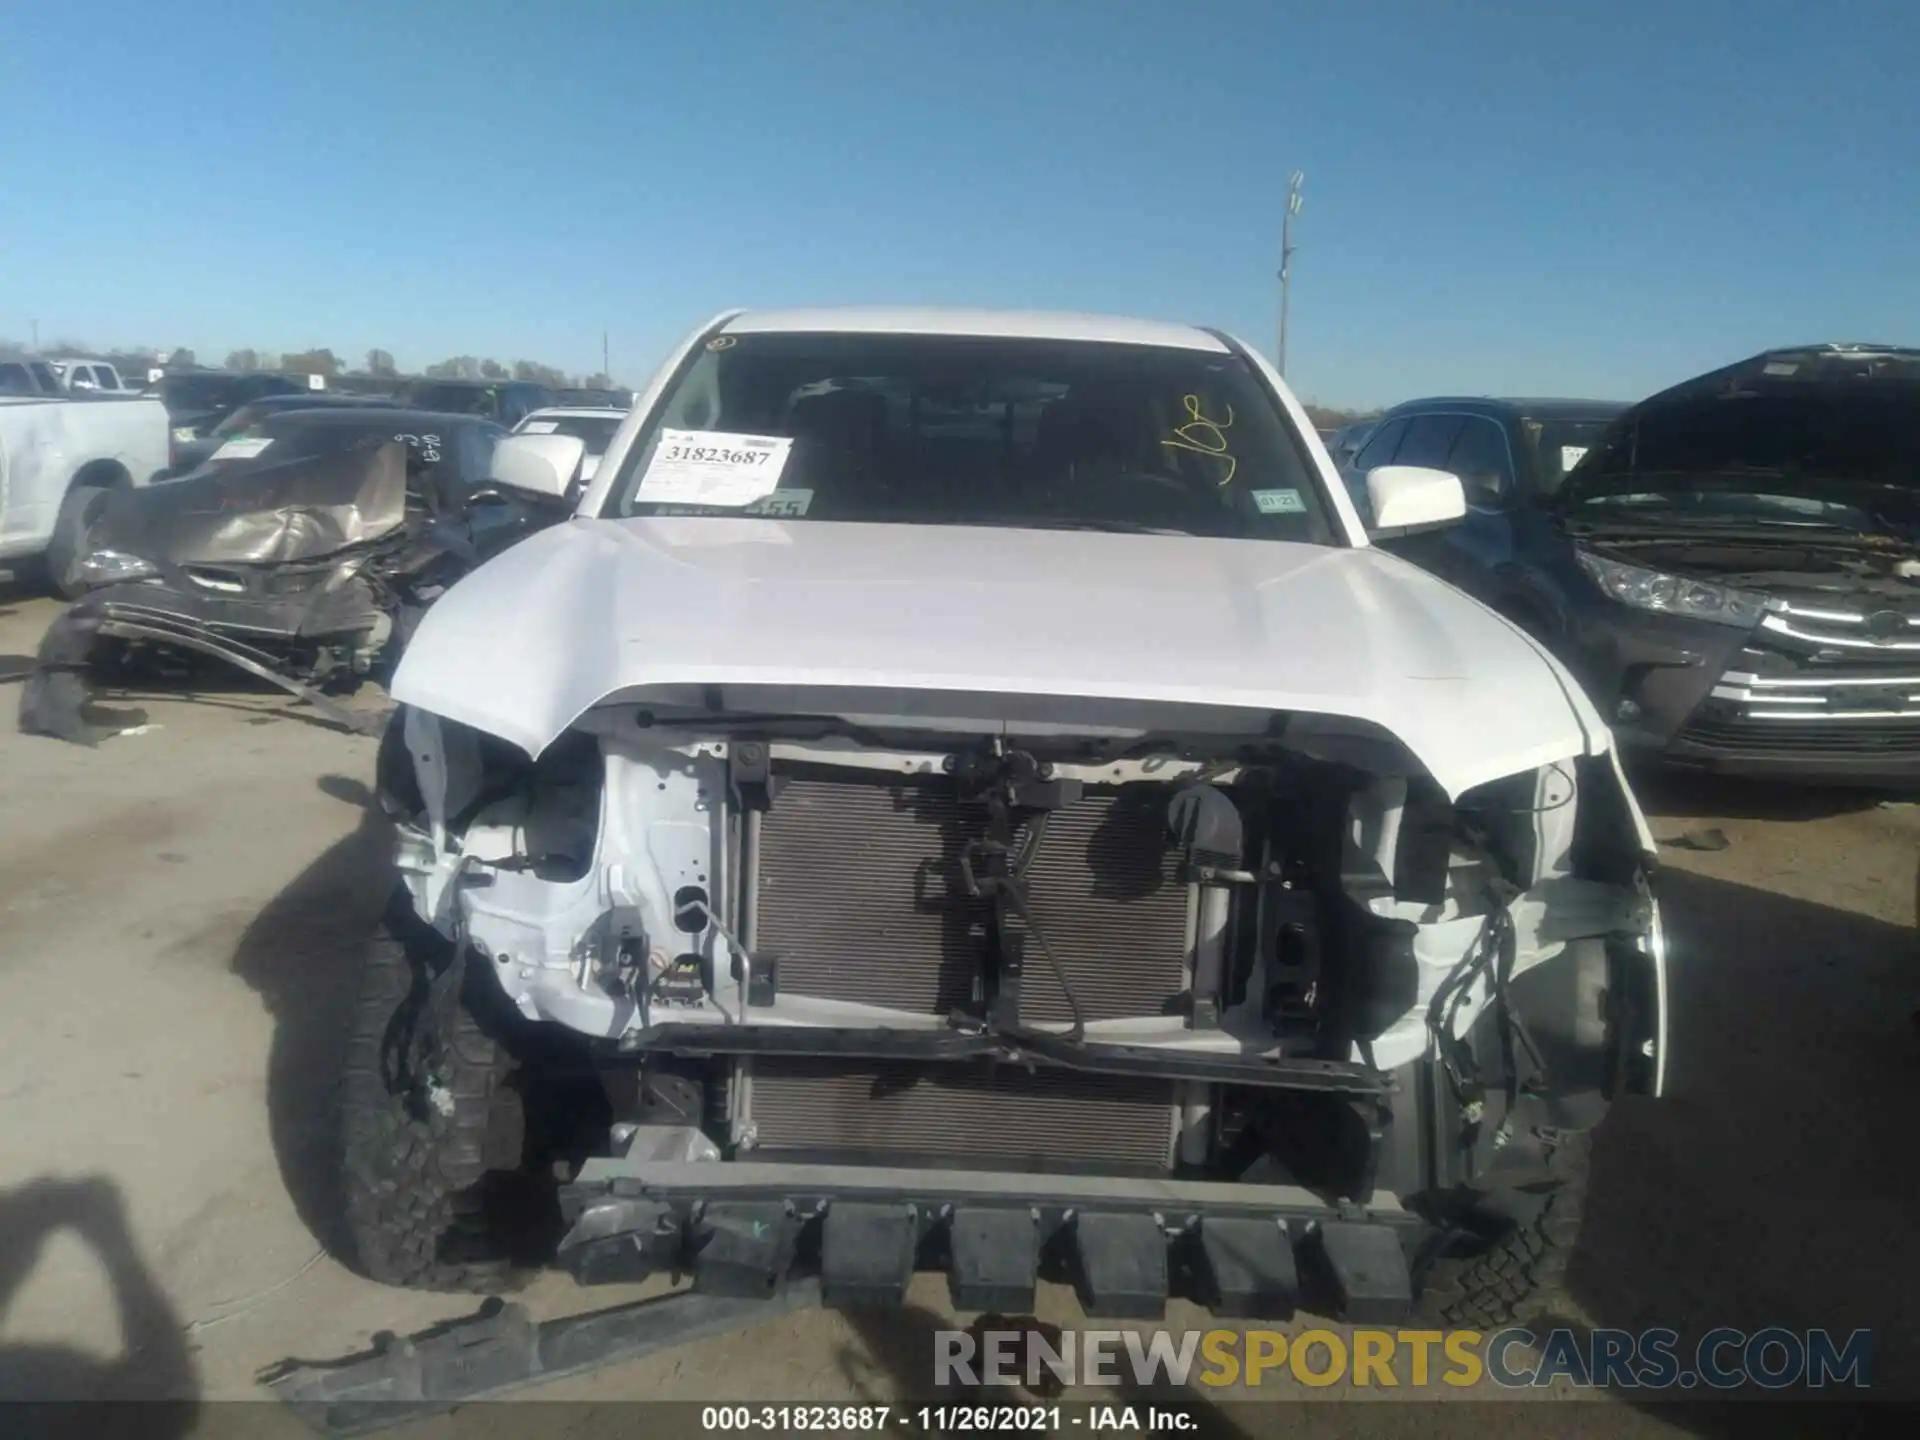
[(1279, 502)]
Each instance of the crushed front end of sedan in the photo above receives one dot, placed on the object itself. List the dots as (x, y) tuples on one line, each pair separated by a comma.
[(969, 796), (303, 554)]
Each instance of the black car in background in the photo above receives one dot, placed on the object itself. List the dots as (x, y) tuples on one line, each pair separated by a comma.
[(1510, 455), (198, 400), (506, 401), (1731, 567), (304, 554), (187, 455), (1345, 442)]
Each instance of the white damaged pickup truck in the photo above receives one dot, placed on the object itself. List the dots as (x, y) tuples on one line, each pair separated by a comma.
[(964, 792), (58, 460)]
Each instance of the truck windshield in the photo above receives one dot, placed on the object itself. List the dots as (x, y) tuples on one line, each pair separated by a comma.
[(946, 430)]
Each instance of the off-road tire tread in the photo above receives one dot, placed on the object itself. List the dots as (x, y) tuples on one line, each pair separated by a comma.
[(1524, 1274), (404, 1173)]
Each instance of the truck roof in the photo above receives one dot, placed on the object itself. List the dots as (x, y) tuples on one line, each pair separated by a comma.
[(1003, 324)]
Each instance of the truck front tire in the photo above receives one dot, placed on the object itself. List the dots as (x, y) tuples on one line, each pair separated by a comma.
[(417, 1167), (1520, 1270)]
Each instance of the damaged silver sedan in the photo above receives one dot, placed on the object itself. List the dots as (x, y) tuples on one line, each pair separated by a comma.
[(301, 552)]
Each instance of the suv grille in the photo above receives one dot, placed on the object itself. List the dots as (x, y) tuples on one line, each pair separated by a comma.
[(1819, 679)]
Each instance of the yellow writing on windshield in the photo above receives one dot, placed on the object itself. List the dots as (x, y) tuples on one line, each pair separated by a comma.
[(1204, 436)]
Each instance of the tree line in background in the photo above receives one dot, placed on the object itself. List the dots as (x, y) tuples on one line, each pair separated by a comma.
[(1328, 417), (379, 365), (134, 363)]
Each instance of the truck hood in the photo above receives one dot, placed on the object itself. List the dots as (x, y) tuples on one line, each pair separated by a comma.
[(601, 609)]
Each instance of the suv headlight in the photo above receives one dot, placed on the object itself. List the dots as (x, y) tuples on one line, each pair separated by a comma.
[(1673, 594), (114, 567), (185, 434)]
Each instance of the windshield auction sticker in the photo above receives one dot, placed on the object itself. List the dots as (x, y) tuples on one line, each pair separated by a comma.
[(713, 467), (242, 447)]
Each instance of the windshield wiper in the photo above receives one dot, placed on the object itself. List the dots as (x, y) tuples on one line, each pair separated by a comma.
[(1111, 527)]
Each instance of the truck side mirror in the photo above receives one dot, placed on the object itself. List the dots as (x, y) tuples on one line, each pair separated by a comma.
[(542, 465), (1409, 499)]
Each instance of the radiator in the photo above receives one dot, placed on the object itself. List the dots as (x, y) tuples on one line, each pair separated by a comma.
[(1005, 1117), (860, 897), (860, 894), (1106, 894)]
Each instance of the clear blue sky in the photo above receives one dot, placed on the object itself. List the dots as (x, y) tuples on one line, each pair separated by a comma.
[(1526, 197)]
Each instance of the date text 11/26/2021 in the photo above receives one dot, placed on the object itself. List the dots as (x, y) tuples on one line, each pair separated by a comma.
[(947, 1419)]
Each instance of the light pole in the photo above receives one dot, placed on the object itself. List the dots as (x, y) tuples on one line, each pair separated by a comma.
[(1286, 262)]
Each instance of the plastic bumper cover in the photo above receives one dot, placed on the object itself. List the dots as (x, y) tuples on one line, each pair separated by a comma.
[(743, 1228), (53, 698)]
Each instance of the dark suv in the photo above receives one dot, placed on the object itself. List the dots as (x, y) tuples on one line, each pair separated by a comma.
[(198, 400), (1731, 567), (1510, 456)]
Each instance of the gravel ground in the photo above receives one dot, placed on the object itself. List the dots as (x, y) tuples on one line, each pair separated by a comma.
[(174, 906)]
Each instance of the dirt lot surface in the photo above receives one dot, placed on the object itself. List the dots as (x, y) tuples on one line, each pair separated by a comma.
[(176, 912)]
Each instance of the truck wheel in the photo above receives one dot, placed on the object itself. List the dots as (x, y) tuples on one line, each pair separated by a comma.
[(1520, 1270), (432, 1171), (68, 546)]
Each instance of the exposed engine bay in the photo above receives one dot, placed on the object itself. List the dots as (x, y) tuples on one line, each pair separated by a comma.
[(1863, 565), (1198, 956)]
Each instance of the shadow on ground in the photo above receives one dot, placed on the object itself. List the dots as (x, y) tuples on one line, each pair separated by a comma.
[(50, 1388), (300, 953), (1668, 794), (1775, 1184)]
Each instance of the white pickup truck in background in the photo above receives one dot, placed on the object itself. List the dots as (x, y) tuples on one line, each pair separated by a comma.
[(97, 377), (58, 460)]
